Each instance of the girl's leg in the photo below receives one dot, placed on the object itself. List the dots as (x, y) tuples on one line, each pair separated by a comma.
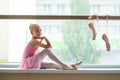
[(48, 52), (46, 65)]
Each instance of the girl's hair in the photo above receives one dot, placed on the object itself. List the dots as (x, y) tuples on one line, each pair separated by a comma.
[(31, 26)]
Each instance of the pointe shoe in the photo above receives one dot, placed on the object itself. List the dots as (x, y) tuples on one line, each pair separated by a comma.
[(105, 38), (67, 68), (75, 65), (93, 30)]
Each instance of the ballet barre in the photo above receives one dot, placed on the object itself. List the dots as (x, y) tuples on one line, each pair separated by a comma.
[(58, 17)]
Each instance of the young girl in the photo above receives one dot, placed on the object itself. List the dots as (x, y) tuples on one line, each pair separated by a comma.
[(33, 58)]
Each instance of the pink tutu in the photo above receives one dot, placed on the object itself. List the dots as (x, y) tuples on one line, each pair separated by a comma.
[(32, 62), (31, 59)]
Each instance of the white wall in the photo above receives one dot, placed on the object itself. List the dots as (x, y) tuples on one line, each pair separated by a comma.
[(11, 41), (18, 28), (4, 26)]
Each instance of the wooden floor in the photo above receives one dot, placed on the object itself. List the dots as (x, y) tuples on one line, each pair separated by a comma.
[(59, 76)]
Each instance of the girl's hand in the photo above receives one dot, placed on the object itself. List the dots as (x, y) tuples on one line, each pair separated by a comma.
[(39, 38), (43, 37), (47, 43)]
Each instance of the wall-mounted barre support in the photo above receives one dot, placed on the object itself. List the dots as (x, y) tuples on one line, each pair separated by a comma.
[(56, 17)]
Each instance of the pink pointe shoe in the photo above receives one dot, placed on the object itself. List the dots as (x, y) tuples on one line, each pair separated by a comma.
[(75, 65), (93, 30), (67, 68), (105, 38)]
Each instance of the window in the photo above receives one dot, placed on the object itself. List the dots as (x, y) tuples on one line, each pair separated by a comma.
[(60, 8), (47, 8), (72, 39)]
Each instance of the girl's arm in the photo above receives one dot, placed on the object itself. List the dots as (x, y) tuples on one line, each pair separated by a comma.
[(47, 45)]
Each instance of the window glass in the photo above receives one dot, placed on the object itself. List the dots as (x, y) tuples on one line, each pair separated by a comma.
[(72, 40)]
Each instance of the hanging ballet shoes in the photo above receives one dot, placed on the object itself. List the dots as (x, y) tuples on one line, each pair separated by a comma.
[(91, 25), (104, 36), (93, 30)]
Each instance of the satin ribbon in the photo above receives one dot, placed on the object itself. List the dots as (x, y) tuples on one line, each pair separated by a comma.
[(106, 25)]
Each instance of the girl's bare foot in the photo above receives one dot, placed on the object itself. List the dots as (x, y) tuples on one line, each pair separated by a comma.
[(75, 65), (105, 38), (93, 30)]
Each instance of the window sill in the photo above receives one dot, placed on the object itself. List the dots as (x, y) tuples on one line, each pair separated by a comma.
[(81, 70), (13, 68)]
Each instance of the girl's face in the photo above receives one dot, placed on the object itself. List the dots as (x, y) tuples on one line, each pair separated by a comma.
[(36, 31)]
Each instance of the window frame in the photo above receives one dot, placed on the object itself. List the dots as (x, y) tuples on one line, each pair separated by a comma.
[(59, 17)]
